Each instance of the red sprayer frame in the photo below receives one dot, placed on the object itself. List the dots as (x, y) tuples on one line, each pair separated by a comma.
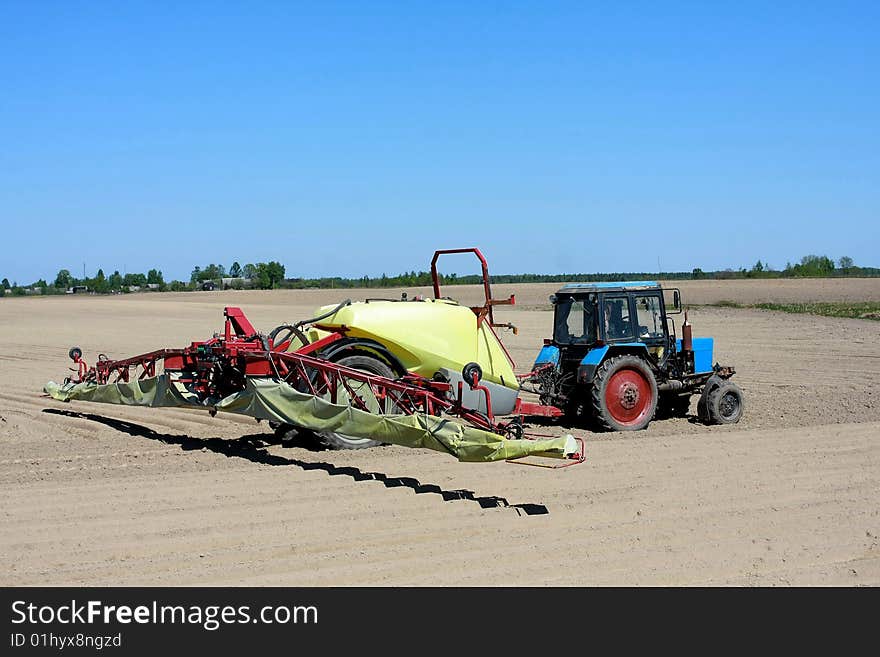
[(486, 309)]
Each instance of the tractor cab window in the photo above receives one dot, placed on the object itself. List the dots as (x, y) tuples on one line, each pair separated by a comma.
[(574, 321), (616, 321), (650, 319)]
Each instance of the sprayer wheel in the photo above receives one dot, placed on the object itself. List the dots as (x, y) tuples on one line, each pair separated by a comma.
[(364, 363)]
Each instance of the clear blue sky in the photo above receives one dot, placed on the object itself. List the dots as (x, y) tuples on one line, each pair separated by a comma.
[(355, 138)]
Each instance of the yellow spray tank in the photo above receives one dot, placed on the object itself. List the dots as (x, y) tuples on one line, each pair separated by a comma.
[(433, 338)]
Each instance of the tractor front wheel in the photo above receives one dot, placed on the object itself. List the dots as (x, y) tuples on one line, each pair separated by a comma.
[(725, 404), (624, 394)]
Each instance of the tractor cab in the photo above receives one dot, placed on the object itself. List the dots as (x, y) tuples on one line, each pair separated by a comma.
[(587, 315)]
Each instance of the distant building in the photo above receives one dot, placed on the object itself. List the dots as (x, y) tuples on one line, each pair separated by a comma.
[(77, 289), (237, 282), (153, 286)]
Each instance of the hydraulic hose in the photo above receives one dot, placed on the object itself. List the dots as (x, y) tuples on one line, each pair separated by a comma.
[(296, 330), (303, 322)]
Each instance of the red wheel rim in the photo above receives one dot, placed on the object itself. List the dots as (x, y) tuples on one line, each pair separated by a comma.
[(628, 397)]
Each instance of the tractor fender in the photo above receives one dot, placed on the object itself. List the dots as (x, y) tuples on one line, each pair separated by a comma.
[(351, 346), (589, 364), (549, 354)]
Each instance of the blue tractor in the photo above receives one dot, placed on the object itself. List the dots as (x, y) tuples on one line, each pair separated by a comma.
[(615, 361)]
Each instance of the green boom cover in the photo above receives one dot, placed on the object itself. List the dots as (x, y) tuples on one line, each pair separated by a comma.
[(268, 399)]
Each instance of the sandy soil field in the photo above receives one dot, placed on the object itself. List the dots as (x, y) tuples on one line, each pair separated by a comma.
[(105, 495)]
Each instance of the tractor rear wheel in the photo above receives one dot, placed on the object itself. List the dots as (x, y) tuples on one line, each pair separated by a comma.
[(624, 394), (725, 404), (364, 363)]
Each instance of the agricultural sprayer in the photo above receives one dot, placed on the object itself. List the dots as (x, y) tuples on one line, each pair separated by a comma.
[(420, 372)]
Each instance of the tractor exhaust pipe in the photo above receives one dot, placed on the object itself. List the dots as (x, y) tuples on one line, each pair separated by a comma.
[(687, 344), (687, 336)]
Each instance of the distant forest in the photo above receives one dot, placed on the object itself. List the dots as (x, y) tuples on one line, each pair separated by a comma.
[(271, 275)]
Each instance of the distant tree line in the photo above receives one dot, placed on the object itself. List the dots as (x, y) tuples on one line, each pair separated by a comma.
[(100, 283), (270, 275), (809, 266), (264, 275)]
